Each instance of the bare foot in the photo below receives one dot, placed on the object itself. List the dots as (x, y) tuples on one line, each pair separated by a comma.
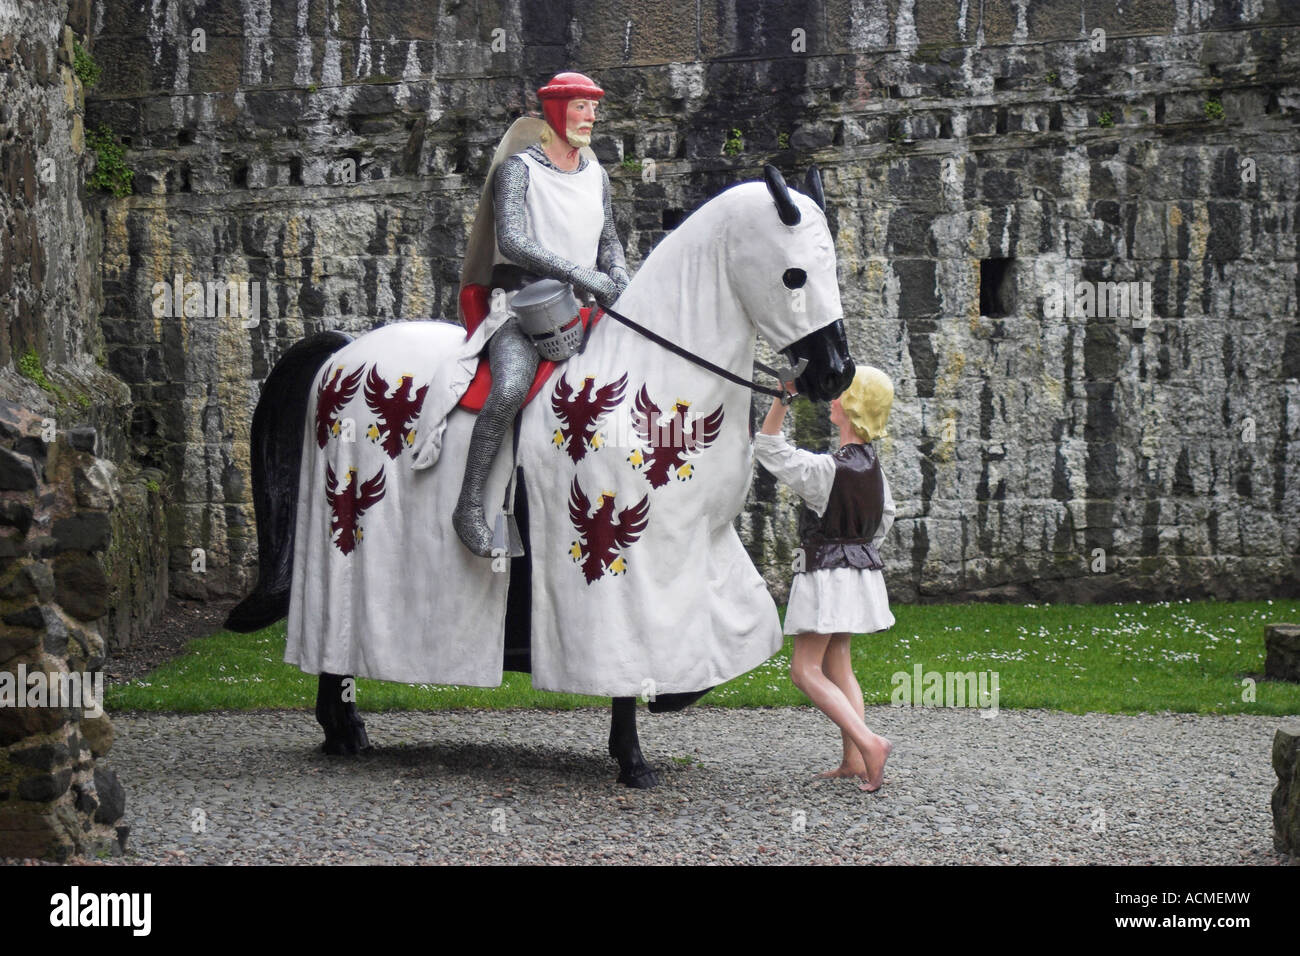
[(875, 780), (843, 770)]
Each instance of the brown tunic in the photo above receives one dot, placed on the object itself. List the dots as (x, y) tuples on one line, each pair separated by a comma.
[(841, 537)]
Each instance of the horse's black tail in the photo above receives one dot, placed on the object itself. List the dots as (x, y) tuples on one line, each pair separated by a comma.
[(275, 448)]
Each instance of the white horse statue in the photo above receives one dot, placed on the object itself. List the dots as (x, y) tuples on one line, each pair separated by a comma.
[(633, 462)]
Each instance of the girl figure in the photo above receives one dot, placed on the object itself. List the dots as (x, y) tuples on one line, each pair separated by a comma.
[(840, 590)]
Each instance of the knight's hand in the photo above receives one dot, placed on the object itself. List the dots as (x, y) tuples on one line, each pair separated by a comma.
[(620, 277), (598, 284)]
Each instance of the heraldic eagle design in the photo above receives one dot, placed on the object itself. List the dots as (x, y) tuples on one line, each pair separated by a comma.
[(349, 503), (331, 396), (580, 413), (668, 444), (600, 540), (396, 414)]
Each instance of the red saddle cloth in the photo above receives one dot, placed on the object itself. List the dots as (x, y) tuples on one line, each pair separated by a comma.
[(475, 301)]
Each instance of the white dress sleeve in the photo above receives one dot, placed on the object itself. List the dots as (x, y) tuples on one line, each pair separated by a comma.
[(887, 513), (809, 475)]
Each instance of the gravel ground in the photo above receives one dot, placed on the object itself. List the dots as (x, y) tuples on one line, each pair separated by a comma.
[(537, 787)]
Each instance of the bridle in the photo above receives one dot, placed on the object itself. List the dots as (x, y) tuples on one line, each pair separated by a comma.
[(788, 374)]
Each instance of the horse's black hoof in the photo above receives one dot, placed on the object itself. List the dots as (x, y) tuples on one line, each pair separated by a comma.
[(351, 742), (345, 748), (336, 748), (642, 778), (358, 738)]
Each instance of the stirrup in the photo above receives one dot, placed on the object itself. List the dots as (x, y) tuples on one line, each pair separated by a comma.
[(506, 539)]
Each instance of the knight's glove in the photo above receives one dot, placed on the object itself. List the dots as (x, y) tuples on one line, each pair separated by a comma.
[(602, 287), (620, 277)]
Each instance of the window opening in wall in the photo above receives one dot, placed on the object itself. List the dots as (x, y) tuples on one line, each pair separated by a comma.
[(997, 287)]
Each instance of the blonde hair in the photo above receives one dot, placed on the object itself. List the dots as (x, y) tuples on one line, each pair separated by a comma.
[(867, 401)]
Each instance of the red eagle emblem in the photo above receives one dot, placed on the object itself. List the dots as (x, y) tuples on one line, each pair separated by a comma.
[(331, 396), (600, 539), (580, 413), (668, 444), (349, 503), (396, 413)]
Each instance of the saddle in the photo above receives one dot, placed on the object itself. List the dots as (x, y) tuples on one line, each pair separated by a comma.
[(475, 302)]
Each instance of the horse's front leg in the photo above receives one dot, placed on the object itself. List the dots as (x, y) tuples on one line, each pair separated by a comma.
[(625, 747), (336, 712)]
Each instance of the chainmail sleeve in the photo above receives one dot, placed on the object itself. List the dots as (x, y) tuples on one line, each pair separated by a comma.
[(508, 194), (609, 256)]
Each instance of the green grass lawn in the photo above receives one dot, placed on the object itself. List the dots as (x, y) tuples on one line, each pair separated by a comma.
[(1119, 658)]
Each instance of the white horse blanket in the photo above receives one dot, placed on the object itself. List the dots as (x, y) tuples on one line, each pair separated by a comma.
[(636, 462), (382, 586)]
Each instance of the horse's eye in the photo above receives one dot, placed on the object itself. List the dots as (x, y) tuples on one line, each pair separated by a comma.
[(794, 278)]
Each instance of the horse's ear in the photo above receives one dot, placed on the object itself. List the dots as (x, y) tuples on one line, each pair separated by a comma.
[(785, 206), (813, 186)]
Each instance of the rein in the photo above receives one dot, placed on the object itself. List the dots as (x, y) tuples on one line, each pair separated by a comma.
[(785, 396)]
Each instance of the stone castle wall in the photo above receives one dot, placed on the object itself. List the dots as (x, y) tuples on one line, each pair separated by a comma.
[(973, 155), (68, 549)]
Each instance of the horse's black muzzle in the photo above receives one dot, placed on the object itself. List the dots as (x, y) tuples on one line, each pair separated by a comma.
[(830, 367)]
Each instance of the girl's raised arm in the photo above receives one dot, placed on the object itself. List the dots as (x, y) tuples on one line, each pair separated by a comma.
[(809, 475)]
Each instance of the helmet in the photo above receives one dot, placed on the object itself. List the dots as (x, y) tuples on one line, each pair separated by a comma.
[(548, 314), (556, 94)]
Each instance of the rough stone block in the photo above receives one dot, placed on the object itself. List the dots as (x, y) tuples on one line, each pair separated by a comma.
[(44, 787), (1282, 652), (96, 485), (14, 641), (917, 295), (85, 531), (16, 472), (83, 438), (98, 734), (112, 798), (1286, 796), (16, 514), (25, 832), (41, 757), (29, 617), (81, 587)]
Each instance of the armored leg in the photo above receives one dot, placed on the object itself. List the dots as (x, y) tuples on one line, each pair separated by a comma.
[(513, 360)]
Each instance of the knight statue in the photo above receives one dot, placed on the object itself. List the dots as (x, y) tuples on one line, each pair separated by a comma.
[(545, 213)]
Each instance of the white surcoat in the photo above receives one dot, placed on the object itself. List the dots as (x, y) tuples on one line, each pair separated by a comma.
[(563, 212)]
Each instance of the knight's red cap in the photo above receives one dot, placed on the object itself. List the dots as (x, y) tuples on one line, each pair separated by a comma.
[(570, 86), (556, 94)]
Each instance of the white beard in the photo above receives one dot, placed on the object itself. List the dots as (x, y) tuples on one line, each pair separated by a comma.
[(578, 140)]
